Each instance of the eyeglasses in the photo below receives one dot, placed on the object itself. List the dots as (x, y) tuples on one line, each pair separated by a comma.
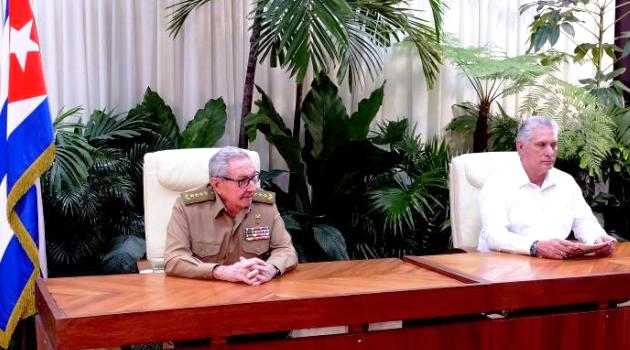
[(242, 183)]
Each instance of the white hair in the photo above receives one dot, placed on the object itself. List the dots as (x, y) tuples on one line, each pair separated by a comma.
[(218, 164), (528, 125)]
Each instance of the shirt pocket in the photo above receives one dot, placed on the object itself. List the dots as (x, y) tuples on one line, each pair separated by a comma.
[(256, 248), (205, 250)]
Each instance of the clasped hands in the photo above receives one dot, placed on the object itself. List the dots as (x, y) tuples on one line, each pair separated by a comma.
[(564, 249), (252, 271)]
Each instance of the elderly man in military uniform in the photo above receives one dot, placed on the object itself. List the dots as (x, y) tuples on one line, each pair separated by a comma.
[(228, 230)]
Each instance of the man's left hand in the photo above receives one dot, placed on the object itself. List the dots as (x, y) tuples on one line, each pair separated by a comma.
[(607, 249), (266, 271)]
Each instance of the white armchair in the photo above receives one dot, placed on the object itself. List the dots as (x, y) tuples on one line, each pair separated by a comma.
[(467, 175), (166, 175)]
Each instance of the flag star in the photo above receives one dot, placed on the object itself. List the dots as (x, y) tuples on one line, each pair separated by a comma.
[(21, 43)]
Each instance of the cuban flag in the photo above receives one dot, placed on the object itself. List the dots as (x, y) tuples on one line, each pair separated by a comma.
[(26, 151)]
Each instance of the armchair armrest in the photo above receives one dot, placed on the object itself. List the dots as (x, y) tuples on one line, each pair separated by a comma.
[(144, 266)]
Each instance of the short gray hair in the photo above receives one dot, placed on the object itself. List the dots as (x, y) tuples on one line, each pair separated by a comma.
[(218, 164), (528, 125)]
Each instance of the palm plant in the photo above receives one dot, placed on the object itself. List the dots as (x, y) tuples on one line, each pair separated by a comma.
[(342, 162), (616, 169), (407, 206), (502, 127), (493, 75), (89, 191), (92, 192), (334, 159), (308, 34)]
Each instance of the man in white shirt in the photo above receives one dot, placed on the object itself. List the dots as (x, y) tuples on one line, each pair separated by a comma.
[(531, 207)]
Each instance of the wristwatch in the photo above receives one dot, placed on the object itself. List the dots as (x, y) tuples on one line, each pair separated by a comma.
[(533, 249)]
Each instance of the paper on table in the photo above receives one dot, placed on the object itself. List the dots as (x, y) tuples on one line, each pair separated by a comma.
[(589, 248)]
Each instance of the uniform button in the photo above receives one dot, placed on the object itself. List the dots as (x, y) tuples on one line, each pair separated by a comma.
[(257, 250)]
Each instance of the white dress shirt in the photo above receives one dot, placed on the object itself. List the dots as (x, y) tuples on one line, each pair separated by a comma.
[(515, 212)]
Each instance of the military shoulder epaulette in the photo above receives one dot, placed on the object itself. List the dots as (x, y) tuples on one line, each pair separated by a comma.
[(197, 196), (264, 197)]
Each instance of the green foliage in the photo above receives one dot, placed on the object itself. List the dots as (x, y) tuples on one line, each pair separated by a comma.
[(616, 170), (339, 160), (84, 212), (408, 205), (559, 17), (488, 63), (335, 157), (93, 190), (465, 118), (331, 241), (312, 35), (156, 111), (126, 251), (597, 134), (73, 154), (493, 75), (207, 127), (502, 127), (270, 123), (586, 129)]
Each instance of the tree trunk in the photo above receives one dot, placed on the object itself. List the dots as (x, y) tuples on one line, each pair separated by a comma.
[(299, 87), (623, 25), (480, 137), (250, 75)]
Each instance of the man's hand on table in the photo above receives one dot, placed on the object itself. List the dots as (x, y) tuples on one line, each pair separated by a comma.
[(557, 249), (607, 249), (563, 249), (252, 271)]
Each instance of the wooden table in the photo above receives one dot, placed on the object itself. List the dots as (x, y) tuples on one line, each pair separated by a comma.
[(445, 294), (550, 304)]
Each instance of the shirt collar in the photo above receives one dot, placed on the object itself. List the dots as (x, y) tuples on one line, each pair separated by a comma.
[(551, 179), (219, 207), (521, 178)]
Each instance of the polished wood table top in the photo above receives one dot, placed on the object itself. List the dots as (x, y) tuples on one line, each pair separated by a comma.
[(77, 312), (504, 267), (524, 282), (99, 295), (313, 295)]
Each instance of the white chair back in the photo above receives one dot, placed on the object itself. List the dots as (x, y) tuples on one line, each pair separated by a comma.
[(467, 175)]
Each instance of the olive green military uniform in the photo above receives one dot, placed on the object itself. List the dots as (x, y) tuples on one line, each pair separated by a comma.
[(201, 234)]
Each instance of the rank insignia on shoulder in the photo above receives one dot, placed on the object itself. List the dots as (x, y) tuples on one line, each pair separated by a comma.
[(264, 197), (197, 196), (257, 233)]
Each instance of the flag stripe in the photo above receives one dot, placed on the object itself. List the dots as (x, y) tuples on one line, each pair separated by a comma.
[(26, 151), (39, 139), (17, 268)]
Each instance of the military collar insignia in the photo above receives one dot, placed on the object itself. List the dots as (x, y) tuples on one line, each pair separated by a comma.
[(264, 197), (198, 195)]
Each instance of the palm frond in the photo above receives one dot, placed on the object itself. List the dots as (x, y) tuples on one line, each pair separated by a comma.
[(104, 126), (180, 12), (73, 154)]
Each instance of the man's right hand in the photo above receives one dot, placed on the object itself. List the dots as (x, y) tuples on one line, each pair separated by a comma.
[(556, 249), (245, 270)]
